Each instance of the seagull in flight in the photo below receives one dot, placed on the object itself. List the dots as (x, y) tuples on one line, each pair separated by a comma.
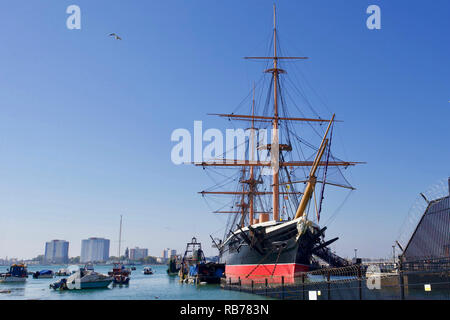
[(115, 36)]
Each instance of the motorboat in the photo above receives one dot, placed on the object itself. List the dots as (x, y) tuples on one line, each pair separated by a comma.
[(83, 279), (148, 270), (15, 273), (43, 274)]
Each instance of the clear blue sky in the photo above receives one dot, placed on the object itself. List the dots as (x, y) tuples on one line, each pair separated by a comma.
[(85, 120)]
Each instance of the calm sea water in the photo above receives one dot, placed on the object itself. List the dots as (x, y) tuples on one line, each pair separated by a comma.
[(141, 287)]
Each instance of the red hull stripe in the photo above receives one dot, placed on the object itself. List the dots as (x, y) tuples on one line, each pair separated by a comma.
[(253, 270)]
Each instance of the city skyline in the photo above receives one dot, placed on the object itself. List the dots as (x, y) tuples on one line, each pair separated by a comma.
[(86, 120), (135, 253)]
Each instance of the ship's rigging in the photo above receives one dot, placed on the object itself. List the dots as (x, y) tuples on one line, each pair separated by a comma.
[(256, 195)]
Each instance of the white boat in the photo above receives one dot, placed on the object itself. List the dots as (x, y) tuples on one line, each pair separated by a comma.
[(148, 270), (16, 273), (83, 279)]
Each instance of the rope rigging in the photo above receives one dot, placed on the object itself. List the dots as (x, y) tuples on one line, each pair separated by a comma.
[(290, 139)]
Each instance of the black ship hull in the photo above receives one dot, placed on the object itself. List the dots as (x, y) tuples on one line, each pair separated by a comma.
[(270, 249), (276, 250)]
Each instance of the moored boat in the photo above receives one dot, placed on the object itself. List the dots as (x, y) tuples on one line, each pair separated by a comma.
[(120, 274), (195, 269), (15, 273), (148, 270), (43, 274), (83, 279)]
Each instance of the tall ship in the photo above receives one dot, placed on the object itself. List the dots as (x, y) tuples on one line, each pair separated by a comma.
[(278, 186)]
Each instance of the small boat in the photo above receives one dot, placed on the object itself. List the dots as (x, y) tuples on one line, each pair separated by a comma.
[(43, 274), (83, 279), (15, 273), (148, 270), (133, 268), (120, 274), (62, 273)]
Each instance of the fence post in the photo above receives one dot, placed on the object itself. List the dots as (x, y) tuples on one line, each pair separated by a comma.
[(303, 286), (328, 285), (252, 286), (229, 283), (360, 281), (402, 285), (282, 287), (239, 283), (266, 286)]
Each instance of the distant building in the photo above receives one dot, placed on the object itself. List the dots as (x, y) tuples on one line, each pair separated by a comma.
[(138, 253), (57, 251), (94, 250), (167, 253)]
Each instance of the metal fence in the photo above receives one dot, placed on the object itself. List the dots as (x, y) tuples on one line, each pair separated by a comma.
[(424, 279)]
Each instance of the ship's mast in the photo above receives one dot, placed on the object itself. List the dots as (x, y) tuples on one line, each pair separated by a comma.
[(275, 151), (120, 236), (252, 181)]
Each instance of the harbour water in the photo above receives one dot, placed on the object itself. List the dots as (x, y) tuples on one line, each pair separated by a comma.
[(141, 287)]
